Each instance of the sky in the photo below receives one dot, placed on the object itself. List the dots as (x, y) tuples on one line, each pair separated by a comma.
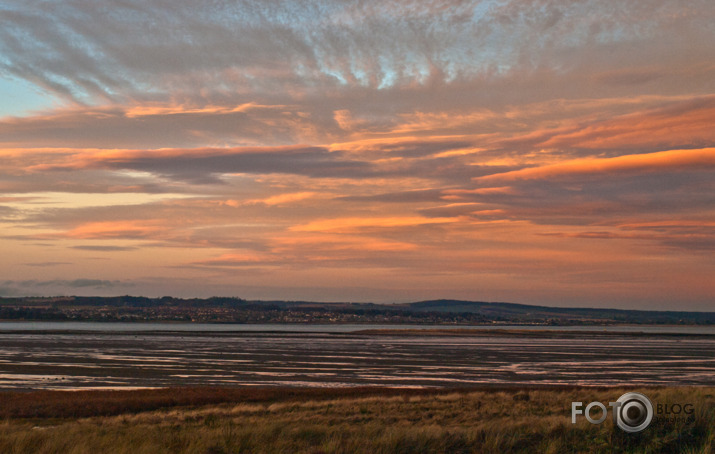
[(531, 151)]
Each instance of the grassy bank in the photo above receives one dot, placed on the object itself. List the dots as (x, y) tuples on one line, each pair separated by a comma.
[(340, 421)]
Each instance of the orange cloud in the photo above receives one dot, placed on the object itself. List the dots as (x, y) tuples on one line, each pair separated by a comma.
[(282, 199), (420, 122), (145, 111), (351, 224), (116, 229), (676, 223), (276, 200), (664, 161), (685, 123), (332, 242), (315, 249)]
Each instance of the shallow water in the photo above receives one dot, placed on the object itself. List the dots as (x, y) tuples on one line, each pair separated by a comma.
[(62, 360), (326, 328)]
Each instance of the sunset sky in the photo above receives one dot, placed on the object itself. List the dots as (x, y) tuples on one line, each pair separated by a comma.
[(541, 152)]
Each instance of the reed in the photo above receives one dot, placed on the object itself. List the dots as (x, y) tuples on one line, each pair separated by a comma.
[(352, 420)]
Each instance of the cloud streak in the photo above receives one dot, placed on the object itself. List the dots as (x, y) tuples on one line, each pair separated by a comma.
[(665, 161)]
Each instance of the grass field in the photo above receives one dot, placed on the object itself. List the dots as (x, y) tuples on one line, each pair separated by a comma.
[(343, 420)]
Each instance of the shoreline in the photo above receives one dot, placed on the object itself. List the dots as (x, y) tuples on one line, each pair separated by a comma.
[(520, 333), (44, 403), (393, 332)]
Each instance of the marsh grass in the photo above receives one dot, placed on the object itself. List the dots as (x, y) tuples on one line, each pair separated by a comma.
[(365, 421)]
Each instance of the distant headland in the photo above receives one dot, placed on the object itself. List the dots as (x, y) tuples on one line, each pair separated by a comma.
[(236, 310)]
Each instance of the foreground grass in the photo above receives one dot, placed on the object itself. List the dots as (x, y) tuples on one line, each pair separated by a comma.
[(345, 421)]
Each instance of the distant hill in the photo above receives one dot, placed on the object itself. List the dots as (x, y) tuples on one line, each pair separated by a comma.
[(237, 310), (527, 312)]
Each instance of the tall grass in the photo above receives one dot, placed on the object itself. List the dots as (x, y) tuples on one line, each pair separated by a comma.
[(398, 421)]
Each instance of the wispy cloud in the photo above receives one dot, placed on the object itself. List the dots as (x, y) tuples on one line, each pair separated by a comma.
[(664, 162), (353, 224), (103, 248)]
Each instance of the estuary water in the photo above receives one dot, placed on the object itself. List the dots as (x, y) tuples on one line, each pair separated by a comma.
[(110, 327), (113, 355)]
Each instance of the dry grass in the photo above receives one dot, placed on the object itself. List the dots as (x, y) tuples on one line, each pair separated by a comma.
[(74, 404), (362, 421)]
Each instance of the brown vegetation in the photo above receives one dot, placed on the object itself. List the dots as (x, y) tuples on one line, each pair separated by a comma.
[(344, 421), (75, 404)]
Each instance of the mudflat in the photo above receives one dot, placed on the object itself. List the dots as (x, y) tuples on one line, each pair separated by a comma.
[(392, 358)]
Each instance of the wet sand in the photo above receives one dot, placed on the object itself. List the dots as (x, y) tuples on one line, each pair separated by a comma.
[(97, 360)]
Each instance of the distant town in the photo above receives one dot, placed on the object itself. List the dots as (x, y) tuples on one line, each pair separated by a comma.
[(237, 310)]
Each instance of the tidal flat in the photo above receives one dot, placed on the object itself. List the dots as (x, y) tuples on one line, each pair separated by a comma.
[(71, 360)]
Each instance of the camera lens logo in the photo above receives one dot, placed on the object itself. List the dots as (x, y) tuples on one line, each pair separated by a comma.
[(634, 413)]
